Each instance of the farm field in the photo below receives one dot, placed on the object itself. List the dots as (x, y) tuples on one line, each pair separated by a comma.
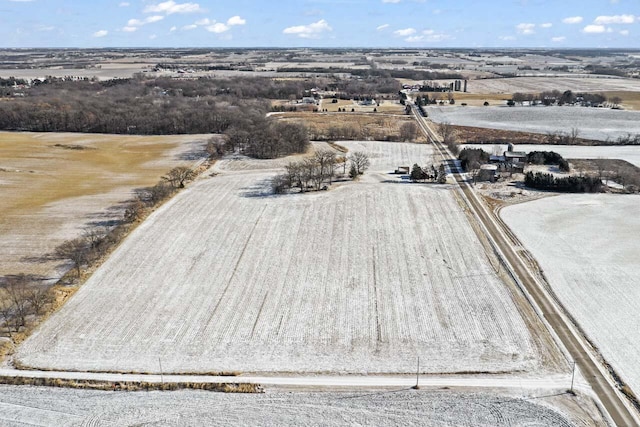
[(54, 185), (381, 126), (593, 123), (363, 278), (629, 153), (46, 406), (537, 84), (588, 248)]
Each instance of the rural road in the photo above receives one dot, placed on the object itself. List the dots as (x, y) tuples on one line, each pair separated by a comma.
[(556, 382), (599, 381)]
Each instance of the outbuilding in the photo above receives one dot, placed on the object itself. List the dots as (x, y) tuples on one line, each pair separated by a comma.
[(487, 173)]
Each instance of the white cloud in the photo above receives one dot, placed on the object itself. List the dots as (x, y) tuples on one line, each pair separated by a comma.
[(391, 1), (236, 20), (154, 18), (172, 29), (205, 21), (624, 32), (190, 27), (558, 39), (100, 33), (428, 35), (594, 29), (546, 25), (438, 37), (404, 32), (218, 28), (124, 4), (382, 27), (507, 38), (152, 36), (572, 20), (525, 28), (171, 7), (140, 23), (615, 19), (309, 31), (129, 29)]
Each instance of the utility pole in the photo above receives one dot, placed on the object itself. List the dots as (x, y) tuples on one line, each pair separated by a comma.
[(417, 386)]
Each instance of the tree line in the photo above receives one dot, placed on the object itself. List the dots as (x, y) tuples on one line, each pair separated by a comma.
[(22, 297), (570, 184), (141, 106), (548, 158), (555, 97)]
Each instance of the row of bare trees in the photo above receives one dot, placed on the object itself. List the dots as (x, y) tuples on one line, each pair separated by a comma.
[(22, 296), (96, 241)]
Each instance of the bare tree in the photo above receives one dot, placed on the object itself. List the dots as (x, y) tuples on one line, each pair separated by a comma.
[(76, 251), (93, 236), (325, 161), (38, 297), (179, 175), (360, 160), (134, 211), (215, 148), (408, 131), (573, 136), (14, 306), (448, 136)]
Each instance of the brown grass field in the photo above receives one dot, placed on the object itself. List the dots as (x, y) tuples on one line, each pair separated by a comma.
[(375, 126), (53, 185)]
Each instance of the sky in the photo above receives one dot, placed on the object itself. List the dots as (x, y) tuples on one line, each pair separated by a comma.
[(320, 23)]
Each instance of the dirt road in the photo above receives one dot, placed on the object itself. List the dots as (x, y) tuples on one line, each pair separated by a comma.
[(610, 397)]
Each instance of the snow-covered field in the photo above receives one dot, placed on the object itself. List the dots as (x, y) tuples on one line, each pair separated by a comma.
[(20, 406), (363, 278), (585, 83), (593, 123), (630, 153), (588, 247)]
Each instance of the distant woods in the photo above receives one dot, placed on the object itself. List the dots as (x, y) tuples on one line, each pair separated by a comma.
[(139, 106)]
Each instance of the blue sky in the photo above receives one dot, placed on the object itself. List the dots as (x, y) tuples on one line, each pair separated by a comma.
[(320, 23)]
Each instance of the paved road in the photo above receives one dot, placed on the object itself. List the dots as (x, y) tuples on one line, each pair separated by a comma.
[(575, 345)]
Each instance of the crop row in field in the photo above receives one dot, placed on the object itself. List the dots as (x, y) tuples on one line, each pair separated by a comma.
[(226, 277)]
